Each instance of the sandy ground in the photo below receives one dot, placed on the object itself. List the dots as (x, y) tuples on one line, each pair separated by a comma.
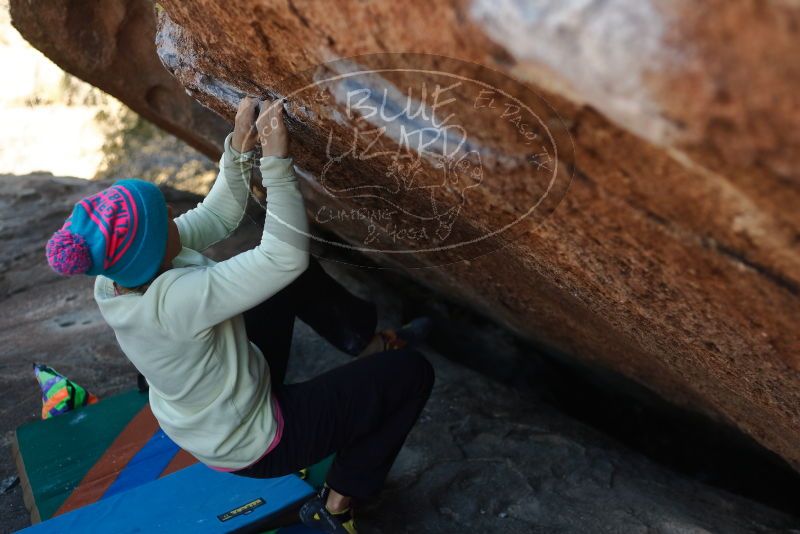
[(64, 140)]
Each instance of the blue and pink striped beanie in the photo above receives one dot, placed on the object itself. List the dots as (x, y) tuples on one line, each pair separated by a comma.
[(120, 232)]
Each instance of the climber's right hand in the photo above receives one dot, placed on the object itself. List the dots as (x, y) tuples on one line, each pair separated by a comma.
[(244, 129), (272, 129)]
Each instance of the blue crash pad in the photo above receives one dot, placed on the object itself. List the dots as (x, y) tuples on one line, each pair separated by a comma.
[(195, 499)]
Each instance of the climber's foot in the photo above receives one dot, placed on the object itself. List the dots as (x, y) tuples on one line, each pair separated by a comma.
[(315, 514), (408, 336)]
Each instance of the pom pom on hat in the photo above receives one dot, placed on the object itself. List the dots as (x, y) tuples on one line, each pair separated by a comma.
[(68, 253), (120, 233)]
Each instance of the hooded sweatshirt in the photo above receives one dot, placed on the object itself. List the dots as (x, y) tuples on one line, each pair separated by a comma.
[(209, 385)]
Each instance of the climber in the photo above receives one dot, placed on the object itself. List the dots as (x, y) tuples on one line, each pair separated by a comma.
[(213, 339)]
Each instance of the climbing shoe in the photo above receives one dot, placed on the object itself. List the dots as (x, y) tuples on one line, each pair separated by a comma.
[(410, 335), (315, 515)]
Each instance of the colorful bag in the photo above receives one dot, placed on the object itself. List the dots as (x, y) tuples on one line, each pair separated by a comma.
[(59, 394)]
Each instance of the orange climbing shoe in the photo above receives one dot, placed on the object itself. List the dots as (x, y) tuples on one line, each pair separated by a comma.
[(409, 336)]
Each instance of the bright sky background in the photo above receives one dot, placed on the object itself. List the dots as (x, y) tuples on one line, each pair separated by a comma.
[(49, 136)]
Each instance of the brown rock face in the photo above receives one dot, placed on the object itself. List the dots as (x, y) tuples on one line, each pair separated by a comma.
[(673, 257), (109, 44), (663, 169)]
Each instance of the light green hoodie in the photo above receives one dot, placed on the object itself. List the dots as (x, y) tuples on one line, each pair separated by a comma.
[(209, 386)]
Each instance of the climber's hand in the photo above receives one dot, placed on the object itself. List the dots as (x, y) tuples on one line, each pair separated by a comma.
[(244, 130), (272, 129)]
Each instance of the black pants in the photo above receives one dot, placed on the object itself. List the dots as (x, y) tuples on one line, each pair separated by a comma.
[(362, 411)]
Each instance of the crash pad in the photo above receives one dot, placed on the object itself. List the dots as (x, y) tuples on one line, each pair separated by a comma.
[(82, 456), (99, 451), (195, 499)]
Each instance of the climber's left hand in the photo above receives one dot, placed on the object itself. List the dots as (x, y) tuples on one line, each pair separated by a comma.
[(244, 130)]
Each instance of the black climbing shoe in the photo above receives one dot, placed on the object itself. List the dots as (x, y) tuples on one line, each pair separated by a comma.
[(315, 515)]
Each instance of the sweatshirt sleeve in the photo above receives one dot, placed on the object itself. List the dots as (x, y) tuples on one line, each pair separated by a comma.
[(202, 297), (220, 213)]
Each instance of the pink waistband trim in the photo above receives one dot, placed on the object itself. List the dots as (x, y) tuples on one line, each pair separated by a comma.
[(276, 410)]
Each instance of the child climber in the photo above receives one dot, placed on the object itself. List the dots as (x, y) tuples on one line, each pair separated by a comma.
[(213, 339)]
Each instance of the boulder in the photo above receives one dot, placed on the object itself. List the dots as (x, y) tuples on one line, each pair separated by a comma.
[(668, 249)]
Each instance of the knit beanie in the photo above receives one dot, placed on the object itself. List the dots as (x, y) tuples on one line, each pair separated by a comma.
[(120, 232)]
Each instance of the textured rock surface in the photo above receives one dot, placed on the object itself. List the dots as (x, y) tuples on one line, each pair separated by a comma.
[(109, 44), (482, 458), (674, 256)]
